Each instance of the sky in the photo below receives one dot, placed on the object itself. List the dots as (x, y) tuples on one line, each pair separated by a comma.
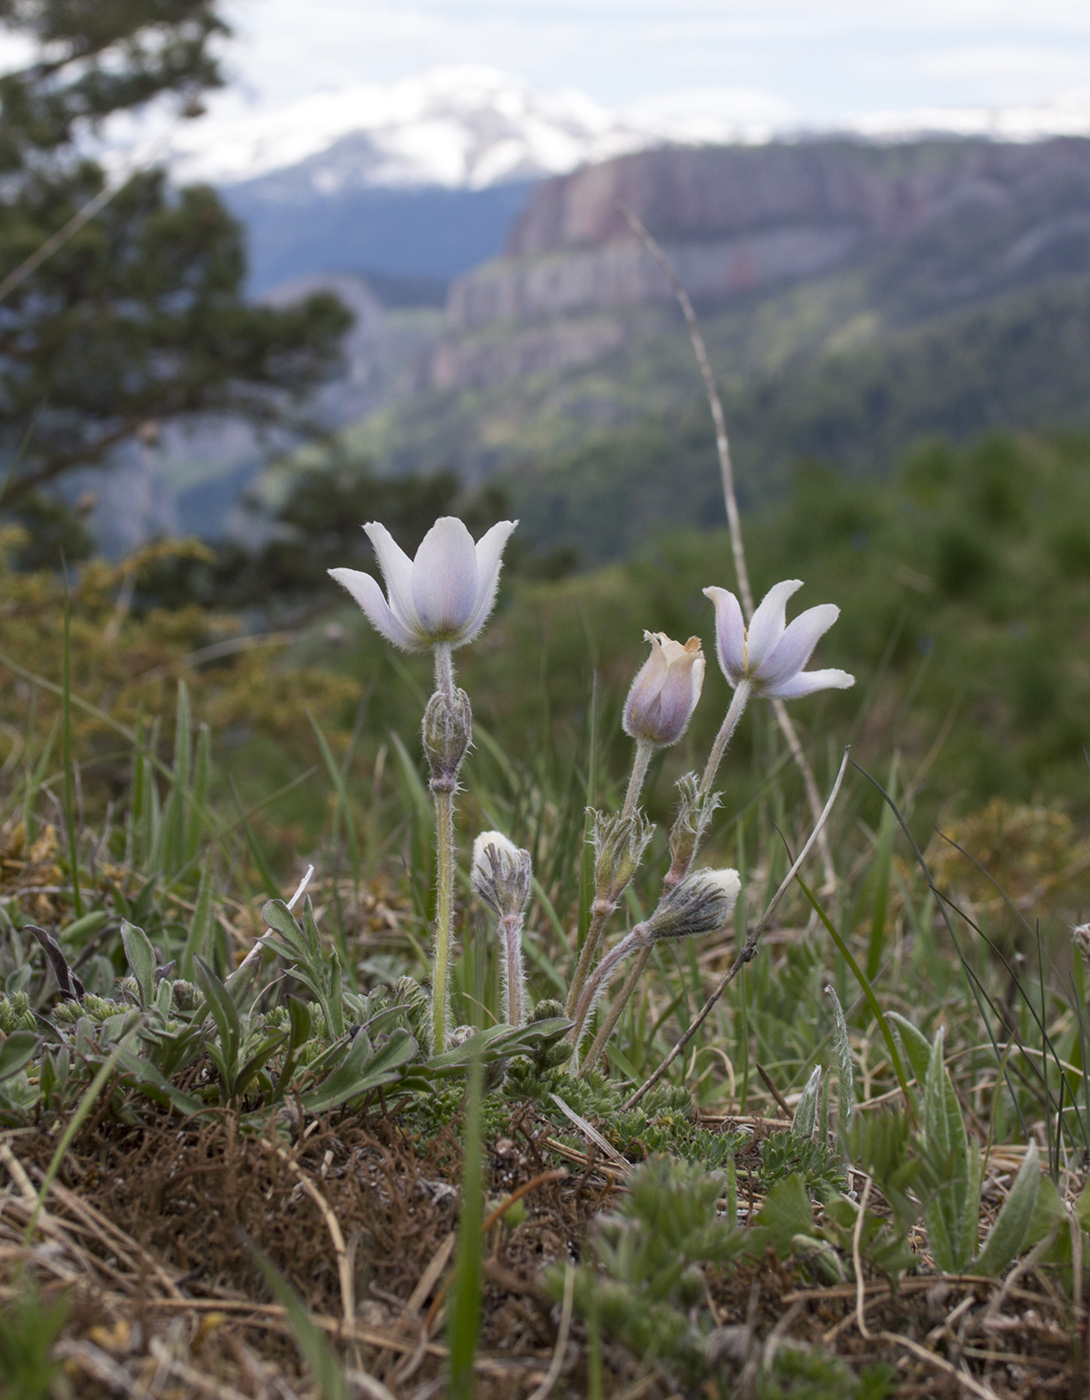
[(796, 62)]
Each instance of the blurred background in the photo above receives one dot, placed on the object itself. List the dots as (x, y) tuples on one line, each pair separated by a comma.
[(313, 265)]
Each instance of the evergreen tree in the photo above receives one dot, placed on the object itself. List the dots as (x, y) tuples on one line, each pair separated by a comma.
[(138, 317)]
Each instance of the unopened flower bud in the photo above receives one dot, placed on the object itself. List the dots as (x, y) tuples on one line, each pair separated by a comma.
[(184, 995), (447, 731), (702, 903), (502, 874), (664, 694), (619, 844), (1081, 935), (694, 812)]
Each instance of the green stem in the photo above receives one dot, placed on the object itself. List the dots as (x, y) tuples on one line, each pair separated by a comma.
[(600, 912), (444, 671), (440, 989), (602, 909), (644, 749), (444, 837), (511, 928), (601, 1040), (602, 974), (737, 705)]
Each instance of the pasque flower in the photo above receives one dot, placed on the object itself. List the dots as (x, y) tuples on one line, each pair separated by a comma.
[(443, 595), (664, 694), (771, 653)]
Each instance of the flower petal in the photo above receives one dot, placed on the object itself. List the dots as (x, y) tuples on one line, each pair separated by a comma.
[(795, 647), (730, 633), (397, 572), (369, 596), (767, 623), (489, 550), (445, 580), (806, 682)]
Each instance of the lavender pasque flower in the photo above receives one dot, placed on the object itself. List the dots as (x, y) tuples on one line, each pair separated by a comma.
[(771, 653), (663, 696), (443, 595)]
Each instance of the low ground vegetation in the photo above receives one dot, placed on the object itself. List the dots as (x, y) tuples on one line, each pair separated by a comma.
[(231, 1174)]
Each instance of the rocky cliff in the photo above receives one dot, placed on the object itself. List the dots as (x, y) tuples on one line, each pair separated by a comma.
[(733, 219)]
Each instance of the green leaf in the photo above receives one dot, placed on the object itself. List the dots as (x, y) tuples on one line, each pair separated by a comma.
[(312, 1343), (1082, 1207), (845, 1077), (916, 1046), (787, 1212), (1049, 1213), (362, 1070), (953, 1209), (225, 1015), (199, 936), (141, 959), (464, 1312), (805, 1119), (1008, 1234), (16, 1052), (278, 917)]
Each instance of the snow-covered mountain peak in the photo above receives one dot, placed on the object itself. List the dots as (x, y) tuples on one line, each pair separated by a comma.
[(460, 127)]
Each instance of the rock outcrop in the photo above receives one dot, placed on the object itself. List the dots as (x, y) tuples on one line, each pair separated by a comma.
[(735, 220)]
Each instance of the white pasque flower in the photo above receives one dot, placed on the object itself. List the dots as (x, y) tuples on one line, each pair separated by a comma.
[(443, 595), (663, 696), (770, 655)]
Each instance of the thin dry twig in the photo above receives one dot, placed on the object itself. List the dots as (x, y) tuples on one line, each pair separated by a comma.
[(332, 1224), (984, 1391), (726, 471), (857, 1260)]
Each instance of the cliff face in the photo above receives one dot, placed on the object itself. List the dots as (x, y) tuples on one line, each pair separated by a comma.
[(735, 219), (714, 192), (933, 224)]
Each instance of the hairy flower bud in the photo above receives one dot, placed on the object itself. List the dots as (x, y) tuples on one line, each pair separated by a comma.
[(502, 874), (663, 696), (694, 812), (619, 844), (702, 903), (1081, 935), (447, 732)]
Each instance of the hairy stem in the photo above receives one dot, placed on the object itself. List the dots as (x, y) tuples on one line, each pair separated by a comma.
[(737, 705), (511, 928), (600, 911), (444, 836), (444, 671), (601, 1040), (644, 749), (440, 989), (597, 982)]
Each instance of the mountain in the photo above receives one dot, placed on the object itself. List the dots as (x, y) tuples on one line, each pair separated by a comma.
[(855, 298), (422, 177)]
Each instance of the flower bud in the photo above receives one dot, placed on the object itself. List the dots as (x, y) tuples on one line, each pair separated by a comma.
[(447, 731), (694, 812), (664, 694), (1081, 935), (502, 874), (702, 903), (619, 844)]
